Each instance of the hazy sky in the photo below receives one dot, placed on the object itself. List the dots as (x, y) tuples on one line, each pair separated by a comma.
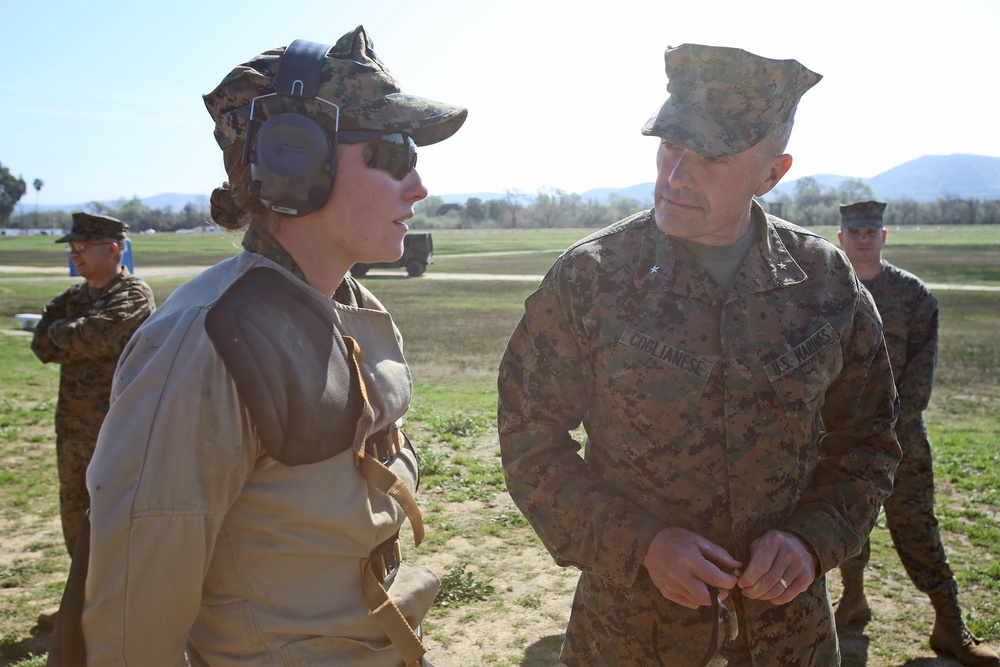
[(102, 100)]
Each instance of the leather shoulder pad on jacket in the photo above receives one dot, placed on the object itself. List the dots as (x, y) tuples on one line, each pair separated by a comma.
[(290, 364)]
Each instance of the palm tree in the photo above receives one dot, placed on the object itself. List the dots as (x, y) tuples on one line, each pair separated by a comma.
[(38, 188)]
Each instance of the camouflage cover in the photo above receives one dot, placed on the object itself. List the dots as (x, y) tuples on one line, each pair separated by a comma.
[(704, 409), (862, 214), (85, 330), (353, 78), (725, 100), (91, 227)]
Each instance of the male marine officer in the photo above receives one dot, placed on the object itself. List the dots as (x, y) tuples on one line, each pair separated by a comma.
[(708, 349)]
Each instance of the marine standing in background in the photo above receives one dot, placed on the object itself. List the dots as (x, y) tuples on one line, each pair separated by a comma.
[(910, 318), (84, 330), (731, 375)]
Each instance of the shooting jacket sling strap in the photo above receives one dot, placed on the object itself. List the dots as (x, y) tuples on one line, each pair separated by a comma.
[(380, 568)]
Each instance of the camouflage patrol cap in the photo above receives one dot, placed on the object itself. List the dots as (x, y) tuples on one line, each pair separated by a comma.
[(725, 100), (862, 214), (88, 227), (352, 77)]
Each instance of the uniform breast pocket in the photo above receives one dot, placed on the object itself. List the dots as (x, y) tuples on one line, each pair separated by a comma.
[(644, 367), (801, 376)]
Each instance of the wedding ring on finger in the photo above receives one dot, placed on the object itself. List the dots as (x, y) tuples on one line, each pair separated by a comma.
[(784, 584)]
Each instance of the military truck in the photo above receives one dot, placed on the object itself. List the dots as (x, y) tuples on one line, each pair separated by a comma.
[(418, 252)]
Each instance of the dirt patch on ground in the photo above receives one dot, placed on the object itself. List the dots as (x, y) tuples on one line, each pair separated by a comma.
[(522, 625)]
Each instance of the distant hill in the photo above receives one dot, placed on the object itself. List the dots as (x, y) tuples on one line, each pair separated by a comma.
[(933, 176), (175, 201), (461, 198), (643, 193), (924, 179), (162, 201)]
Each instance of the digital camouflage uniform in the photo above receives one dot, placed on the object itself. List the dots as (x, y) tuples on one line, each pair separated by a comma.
[(704, 409), (910, 318), (84, 331)]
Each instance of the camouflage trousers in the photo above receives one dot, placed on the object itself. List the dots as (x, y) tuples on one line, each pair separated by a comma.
[(612, 626), (909, 514), (73, 456)]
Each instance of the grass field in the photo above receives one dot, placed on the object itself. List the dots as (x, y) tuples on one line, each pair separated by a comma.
[(504, 602)]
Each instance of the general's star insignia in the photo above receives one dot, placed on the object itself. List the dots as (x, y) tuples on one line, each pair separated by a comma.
[(654, 269), (782, 266)]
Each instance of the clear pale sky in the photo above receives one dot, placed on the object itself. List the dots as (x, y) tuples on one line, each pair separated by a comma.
[(102, 100)]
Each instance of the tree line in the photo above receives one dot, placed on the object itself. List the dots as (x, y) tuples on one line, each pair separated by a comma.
[(809, 205), (812, 205), (548, 208), (133, 212)]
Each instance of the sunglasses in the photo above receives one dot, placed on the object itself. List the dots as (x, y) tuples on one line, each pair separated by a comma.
[(393, 152), (724, 632), (77, 248)]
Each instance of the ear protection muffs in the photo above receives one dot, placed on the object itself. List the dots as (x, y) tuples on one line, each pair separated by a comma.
[(293, 158)]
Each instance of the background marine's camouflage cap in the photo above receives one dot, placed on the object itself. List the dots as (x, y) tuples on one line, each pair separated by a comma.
[(89, 227), (352, 77), (724, 100), (866, 214)]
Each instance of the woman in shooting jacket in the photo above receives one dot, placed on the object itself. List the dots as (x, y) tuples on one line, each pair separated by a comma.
[(251, 479)]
